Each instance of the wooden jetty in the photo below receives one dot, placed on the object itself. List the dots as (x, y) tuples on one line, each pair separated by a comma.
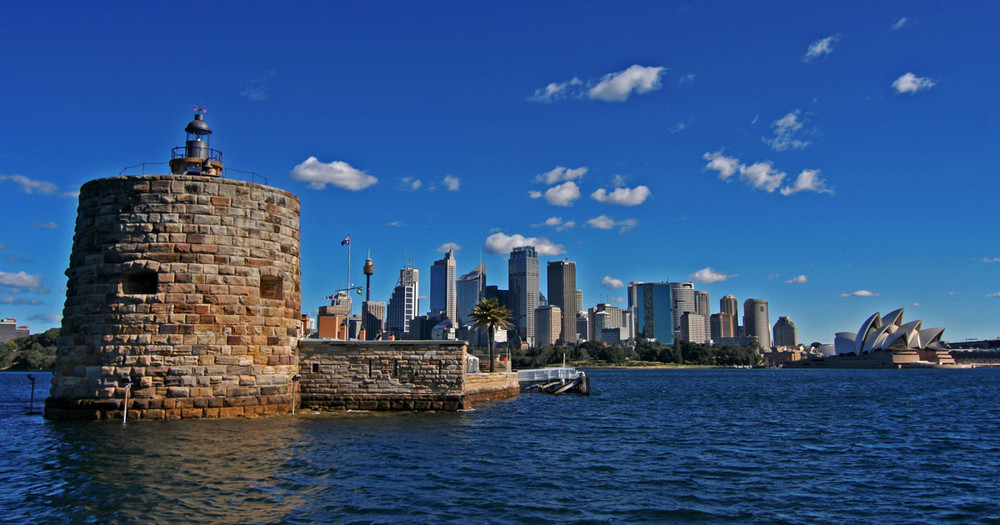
[(555, 381)]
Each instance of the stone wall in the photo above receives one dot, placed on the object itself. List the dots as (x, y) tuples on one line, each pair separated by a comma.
[(187, 285), (391, 375)]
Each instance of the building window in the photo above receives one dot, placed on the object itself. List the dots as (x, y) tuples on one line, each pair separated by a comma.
[(270, 287), (139, 282)]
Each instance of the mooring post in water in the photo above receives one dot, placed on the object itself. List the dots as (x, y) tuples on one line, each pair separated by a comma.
[(127, 382), (295, 381), (31, 406)]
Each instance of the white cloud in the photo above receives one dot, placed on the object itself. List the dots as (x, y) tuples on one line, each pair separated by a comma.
[(622, 196), (618, 181), (763, 176), (338, 173), (395, 224), (410, 184), (797, 280), (449, 246), (500, 243), (616, 87), (916, 304), (560, 174), (859, 293), (899, 23), (604, 222), (31, 186), (994, 294), (787, 131), (255, 93), (49, 225), (535, 194), (910, 83), (990, 259), (708, 276), (808, 180), (557, 223), (679, 127), (613, 87), (563, 194), (451, 183), (19, 301), (686, 79), (555, 92), (21, 280), (726, 166), (611, 283), (823, 46)]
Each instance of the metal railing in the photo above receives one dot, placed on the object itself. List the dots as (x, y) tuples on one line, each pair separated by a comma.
[(140, 169), (546, 374), (180, 152)]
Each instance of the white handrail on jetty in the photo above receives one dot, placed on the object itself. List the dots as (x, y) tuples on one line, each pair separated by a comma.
[(546, 374)]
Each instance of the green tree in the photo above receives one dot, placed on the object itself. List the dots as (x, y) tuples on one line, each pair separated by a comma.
[(491, 315)]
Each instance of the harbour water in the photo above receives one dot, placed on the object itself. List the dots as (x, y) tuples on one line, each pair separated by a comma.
[(648, 446)]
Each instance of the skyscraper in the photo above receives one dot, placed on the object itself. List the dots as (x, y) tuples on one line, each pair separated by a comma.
[(729, 305), (404, 304), (469, 290), (562, 293), (443, 286), (703, 308), (755, 321), (785, 333), (548, 323), (721, 327), (522, 285), (373, 319), (652, 309), (682, 295)]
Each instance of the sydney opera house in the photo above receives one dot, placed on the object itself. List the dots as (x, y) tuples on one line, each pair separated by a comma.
[(886, 342)]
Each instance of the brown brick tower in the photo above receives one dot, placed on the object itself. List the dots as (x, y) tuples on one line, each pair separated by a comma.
[(184, 290)]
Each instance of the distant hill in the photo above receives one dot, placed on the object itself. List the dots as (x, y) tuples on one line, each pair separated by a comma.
[(33, 352)]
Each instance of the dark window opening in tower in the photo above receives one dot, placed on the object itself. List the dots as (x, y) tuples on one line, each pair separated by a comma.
[(139, 282), (270, 287)]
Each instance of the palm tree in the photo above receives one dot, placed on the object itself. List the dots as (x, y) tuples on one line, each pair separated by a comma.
[(491, 315)]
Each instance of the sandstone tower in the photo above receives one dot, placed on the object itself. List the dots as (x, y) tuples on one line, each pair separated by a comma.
[(184, 290)]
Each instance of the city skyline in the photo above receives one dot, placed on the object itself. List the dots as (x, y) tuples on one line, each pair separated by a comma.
[(781, 151)]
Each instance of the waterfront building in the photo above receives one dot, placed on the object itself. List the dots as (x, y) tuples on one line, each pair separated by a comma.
[(562, 293), (9, 330), (443, 286), (682, 297), (523, 287), (614, 319), (651, 305), (755, 321), (785, 333), (703, 308), (548, 324), (373, 319), (404, 304), (729, 305), (469, 290), (582, 326), (693, 328), (721, 327)]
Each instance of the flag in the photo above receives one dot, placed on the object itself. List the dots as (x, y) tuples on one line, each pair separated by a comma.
[(346, 241)]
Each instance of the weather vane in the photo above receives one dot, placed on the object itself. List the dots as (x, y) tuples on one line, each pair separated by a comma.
[(198, 108)]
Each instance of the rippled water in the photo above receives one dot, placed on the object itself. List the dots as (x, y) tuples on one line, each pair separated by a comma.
[(655, 446)]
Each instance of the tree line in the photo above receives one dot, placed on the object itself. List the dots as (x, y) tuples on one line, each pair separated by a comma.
[(32, 352), (645, 352)]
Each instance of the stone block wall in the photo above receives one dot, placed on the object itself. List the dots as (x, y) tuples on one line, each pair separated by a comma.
[(188, 285), (388, 375)]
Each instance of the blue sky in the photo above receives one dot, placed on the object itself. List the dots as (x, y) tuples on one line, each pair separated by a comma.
[(832, 158)]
